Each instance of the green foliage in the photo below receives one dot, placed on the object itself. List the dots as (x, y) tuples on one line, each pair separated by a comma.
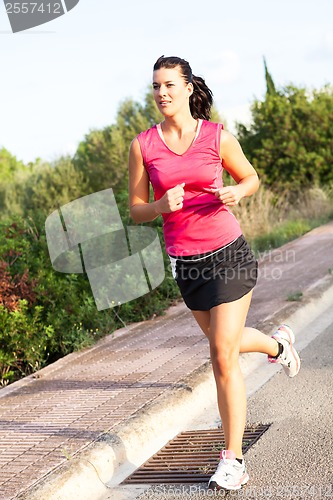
[(9, 165), (24, 342), (53, 313), (102, 157), (42, 188), (51, 186), (10, 170), (270, 86), (290, 140), (41, 329)]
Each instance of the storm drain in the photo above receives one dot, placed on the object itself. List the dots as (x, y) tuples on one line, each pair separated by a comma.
[(191, 457)]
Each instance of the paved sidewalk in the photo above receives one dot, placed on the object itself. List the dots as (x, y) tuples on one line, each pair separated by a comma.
[(64, 408)]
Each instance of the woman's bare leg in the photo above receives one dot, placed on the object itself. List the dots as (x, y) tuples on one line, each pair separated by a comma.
[(224, 327), (252, 339), (255, 341), (225, 334)]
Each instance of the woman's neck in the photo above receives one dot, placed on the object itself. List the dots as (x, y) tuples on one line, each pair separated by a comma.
[(179, 124)]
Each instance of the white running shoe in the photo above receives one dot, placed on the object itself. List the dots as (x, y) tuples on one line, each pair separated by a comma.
[(230, 474), (289, 359)]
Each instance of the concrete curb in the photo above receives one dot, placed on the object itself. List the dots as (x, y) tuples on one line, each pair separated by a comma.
[(105, 463)]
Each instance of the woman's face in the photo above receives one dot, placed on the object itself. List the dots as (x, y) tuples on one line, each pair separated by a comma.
[(171, 93)]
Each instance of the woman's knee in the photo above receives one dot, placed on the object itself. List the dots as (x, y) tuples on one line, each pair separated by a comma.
[(224, 358)]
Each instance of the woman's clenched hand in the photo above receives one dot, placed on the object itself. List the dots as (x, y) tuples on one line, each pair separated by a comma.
[(172, 199)]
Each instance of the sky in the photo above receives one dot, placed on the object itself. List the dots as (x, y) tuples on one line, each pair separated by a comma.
[(64, 78)]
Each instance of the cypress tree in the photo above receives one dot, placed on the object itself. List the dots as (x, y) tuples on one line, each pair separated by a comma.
[(270, 87)]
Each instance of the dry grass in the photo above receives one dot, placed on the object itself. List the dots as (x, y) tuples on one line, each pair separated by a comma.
[(264, 214), (314, 203), (257, 213)]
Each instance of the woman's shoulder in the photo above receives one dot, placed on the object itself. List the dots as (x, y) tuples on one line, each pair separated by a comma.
[(146, 133), (211, 133), (143, 141), (212, 126), (210, 123)]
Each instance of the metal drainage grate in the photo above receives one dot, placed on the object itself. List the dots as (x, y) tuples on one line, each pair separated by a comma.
[(191, 457)]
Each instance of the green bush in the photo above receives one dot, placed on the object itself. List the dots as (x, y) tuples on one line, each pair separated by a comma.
[(25, 342), (53, 313)]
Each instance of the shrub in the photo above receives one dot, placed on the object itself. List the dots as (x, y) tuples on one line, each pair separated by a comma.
[(45, 314), (25, 341)]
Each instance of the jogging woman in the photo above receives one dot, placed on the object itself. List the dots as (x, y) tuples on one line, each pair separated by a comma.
[(183, 158)]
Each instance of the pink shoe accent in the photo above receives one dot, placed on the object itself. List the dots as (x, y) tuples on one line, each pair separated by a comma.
[(228, 455), (284, 328), (244, 479)]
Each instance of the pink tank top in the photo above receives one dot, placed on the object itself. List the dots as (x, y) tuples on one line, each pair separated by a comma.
[(204, 224)]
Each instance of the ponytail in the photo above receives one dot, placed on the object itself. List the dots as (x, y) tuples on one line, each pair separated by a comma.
[(201, 100)]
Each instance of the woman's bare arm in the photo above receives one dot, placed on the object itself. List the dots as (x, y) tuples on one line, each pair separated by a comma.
[(140, 208), (241, 170)]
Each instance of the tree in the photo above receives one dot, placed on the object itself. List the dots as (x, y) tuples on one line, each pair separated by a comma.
[(290, 140), (9, 165), (102, 156), (10, 170), (270, 87), (50, 186)]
